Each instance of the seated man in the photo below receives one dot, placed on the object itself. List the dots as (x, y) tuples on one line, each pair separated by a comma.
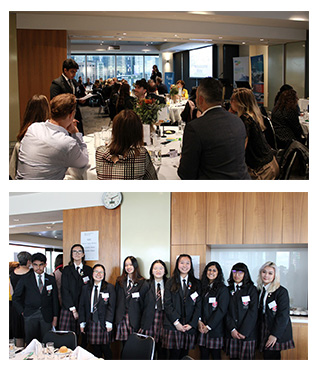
[(214, 143), (140, 89), (152, 93), (162, 88)]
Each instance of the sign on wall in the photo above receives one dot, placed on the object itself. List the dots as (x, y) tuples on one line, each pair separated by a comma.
[(257, 78), (240, 69), (90, 242)]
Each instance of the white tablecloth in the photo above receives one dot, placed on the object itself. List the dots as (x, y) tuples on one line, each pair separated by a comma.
[(169, 166), (172, 112)]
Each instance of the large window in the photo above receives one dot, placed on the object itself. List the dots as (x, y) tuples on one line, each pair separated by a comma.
[(129, 67)]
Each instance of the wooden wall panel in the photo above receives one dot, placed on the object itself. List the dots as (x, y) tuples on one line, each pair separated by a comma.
[(188, 218), (262, 218), (300, 338), (295, 217), (40, 57), (224, 218), (107, 222)]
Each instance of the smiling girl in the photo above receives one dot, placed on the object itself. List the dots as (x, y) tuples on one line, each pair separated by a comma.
[(275, 330), (182, 306), (131, 289), (215, 301)]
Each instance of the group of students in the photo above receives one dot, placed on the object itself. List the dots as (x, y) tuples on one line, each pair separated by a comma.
[(179, 312)]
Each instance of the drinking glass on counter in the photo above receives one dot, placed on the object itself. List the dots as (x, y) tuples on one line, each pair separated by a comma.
[(12, 348)]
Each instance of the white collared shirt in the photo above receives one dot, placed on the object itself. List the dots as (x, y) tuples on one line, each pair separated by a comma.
[(181, 281), (42, 278), (80, 266), (237, 284), (69, 81)]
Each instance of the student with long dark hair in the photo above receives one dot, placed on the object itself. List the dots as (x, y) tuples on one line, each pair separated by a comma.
[(215, 301), (241, 319), (131, 289), (153, 312), (275, 329), (96, 312), (74, 276), (182, 306)]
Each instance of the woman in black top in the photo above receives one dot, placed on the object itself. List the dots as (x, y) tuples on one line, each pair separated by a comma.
[(74, 276), (155, 73), (182, 305), (125, 101), (241, 319), (131, 289), (153, 312), (274, 324), (260, 160), (215, 301), (285, 119), (96, 312)]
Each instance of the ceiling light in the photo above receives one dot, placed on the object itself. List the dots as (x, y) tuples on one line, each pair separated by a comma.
[(200, 39), (298, 19), (202, 13)]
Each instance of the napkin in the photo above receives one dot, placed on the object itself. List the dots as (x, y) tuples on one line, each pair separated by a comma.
[(34, 346), (82, 354)]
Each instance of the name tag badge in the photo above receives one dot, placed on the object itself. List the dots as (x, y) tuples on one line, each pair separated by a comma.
[(245, 299), (194, 296), (212, 300), (273, 305), (85, 279), (105, 295), (49, 287), (135, 295)]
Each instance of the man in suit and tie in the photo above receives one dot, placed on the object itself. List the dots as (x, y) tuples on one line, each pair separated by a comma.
[(36, 298), (66, 83), (214, 143)]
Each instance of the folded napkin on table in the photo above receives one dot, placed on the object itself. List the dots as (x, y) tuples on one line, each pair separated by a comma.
[(82, 354), (34, 346)]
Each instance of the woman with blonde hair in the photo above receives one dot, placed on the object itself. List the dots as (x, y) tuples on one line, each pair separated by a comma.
[(260, 160), (274, 324)]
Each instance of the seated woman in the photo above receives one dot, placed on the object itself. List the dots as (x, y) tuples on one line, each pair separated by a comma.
[(38, 110), (125, 101), (285, 119), (184, 92), (260, 160), (125, 157), (47, 149)]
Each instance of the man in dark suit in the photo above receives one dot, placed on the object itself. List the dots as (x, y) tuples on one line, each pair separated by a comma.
[(36, 298), (214, 143), (66, 83)]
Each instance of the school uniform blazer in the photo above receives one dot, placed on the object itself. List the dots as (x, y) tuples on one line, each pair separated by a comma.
[(135, 303), (71, 285), (278, 314), (149, 306), (214, 309), (106, 304), (175, 308), (243, 311), (27, 298)]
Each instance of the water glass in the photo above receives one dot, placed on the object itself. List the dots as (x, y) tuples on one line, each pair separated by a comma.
[(12, 348), (97, 140), (50, 348)]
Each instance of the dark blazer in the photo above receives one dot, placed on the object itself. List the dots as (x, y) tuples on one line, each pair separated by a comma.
[(214, 147), (134, 303), (61, 86), (106, 306), (27, 298), (243, 315), (149, 306), (175, 308), (213, 312), (71, 285), (278, 318)]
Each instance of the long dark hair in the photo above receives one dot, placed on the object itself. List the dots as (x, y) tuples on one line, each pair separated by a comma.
[(218, 282), (176, 285), (103, 282), (246, 278), (136, 276), (165, 270), (71, 258)]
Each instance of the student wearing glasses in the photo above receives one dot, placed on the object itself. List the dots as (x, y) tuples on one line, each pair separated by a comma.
[(241, 319), (74, 276), (96, 312)]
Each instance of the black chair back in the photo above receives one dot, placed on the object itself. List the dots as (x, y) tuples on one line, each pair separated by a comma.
[(270, 133), (60, 338), (138, 347)]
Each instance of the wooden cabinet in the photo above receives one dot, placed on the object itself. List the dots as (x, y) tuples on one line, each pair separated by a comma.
[(295, 217), (300, 338)]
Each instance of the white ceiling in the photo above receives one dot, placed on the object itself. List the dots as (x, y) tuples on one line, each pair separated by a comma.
[(170, 30)]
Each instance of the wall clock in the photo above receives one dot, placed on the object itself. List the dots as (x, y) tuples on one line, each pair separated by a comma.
[(111, 200)]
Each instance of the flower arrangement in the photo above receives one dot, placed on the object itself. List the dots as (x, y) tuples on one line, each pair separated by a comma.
[(147, 110), (174, 90)]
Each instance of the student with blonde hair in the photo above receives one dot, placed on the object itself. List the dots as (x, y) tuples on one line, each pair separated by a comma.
[(274, 325)]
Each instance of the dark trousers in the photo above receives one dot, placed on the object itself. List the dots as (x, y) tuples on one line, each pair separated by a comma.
[(205, 353), (272, 354), (102, 351), (178, 353), (35, 326)]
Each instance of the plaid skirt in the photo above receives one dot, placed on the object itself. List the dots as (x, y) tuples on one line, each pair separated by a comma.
[(178, 340), (124, 329), (240, 349), (204, 340), (156, 329), (96, 334), (263, 337), (67, 322)]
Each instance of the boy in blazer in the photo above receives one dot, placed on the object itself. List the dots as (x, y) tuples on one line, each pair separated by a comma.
[(36, 298)]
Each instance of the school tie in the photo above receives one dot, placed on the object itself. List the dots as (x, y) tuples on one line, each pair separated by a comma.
[(261, 299), (129, 287), (158, 298), (238, 288), (184, 288), (40, 283), (95, 316)]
